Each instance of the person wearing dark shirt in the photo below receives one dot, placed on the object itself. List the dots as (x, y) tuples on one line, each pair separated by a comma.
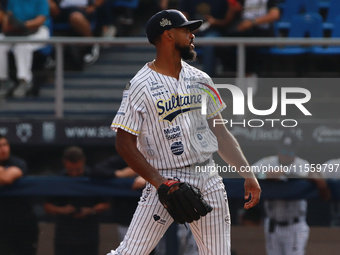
[(253, 18), (122, 207), (77, 221), (18, 224), (202, 9)]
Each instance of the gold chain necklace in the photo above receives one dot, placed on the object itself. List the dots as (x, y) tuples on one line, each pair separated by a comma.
[(153, 63)]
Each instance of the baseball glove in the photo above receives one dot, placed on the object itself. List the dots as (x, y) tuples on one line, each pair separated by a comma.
[(183, 201)]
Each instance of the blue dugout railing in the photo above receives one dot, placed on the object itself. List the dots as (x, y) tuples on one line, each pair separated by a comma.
[(84, 186)]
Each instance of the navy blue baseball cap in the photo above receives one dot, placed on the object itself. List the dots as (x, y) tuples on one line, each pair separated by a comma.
[(167, 19), (288, 144)]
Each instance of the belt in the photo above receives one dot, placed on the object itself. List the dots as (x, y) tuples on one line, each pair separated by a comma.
[(200, 164), (285, 223)]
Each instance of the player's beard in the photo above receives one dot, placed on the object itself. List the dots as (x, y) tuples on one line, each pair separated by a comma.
[(186, 52)]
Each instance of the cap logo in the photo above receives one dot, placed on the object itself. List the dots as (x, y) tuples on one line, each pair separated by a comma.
[(287, 141), (165, 22)]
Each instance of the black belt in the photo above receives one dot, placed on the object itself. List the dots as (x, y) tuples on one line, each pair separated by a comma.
[(200, 164), (273, 223), (284, 223)]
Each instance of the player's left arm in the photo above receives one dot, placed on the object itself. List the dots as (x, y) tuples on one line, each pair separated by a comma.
[(230, 151)]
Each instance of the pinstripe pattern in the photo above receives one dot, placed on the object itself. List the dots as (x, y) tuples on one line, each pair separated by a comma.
[(149, 112), (212, 232), (165, 114), (291, 239), (287, 240)]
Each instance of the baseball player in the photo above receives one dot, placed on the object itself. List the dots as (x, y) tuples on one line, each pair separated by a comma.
[(331, 170), (163, 136), (286, 230)]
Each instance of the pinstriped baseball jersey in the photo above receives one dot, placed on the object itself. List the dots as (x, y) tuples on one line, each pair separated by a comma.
[(165, 114), (332, 169), (283, 210), (292, 237)]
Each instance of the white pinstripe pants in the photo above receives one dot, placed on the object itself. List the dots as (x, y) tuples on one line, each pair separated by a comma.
[(287, 240), (151, 220)]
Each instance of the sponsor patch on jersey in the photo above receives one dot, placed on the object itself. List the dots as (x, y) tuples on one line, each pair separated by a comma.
[(227, 220), (146, 192), (191, 78), (171, 108), (122, 107), (158, 219), (157, 89), (172, 132), (177, 148), (150, 152), (156, 85), (201, 140)]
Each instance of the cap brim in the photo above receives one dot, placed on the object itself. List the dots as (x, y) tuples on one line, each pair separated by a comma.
[(289, 150), (193, 24)]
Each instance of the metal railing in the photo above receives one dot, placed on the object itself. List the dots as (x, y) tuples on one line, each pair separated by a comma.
[(240, 43)]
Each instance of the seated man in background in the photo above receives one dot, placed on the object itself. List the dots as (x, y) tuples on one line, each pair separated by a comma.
[(202, 9), (255, 19), (22, 18), (18, 224), (77, 221), (79, 14), (122, 207)]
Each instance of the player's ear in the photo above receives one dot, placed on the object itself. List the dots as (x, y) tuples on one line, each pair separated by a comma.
[(168, 34)]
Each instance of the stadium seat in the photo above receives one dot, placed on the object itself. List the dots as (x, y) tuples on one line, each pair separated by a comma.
[(309, 24), (48, 49), (324, 4), (332, 13), (126, 3), (294, 7), (330, 50)]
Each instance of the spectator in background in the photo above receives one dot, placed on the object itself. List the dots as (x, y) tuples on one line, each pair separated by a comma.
[(18, 224), (163, 4), (255, 19), (22, 18), (122, 207), (286, 229), (203, 9), (77, 221), (79, 14), (105, 20)]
